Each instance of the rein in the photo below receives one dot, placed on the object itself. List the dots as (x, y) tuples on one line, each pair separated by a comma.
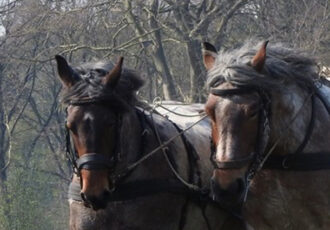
[(304, 161), (162, 146)]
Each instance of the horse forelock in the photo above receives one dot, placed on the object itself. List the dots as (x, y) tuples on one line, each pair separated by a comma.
[(283, 65), (90, 85)]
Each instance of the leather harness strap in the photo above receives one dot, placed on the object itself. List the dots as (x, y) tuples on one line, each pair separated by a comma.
[(299, 162), (141, 188), (233, 164)]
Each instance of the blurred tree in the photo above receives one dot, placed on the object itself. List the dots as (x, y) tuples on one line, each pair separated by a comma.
[(159, 38)]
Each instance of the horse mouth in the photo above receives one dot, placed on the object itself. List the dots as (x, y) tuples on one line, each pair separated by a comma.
[(231, 199), (96, 203)]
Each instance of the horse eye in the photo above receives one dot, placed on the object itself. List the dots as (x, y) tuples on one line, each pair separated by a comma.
[(253, 114), (253, 111)]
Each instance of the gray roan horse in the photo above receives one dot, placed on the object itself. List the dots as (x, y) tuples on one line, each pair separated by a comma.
[(120, 182), (270, 110)]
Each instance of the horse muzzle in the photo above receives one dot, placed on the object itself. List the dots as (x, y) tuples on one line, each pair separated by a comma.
[(232, 197), (96, 202)]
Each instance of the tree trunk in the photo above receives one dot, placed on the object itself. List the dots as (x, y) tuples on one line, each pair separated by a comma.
[(160, 58), (197, 75), (4, 195), (158, 54), (3, 130)]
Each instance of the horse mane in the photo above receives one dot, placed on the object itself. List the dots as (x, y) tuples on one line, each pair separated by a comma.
[(282, 67), (90, 87)]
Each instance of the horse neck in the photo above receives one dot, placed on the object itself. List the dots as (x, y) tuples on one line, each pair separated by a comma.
[(130, 136), (138, 137), (291, 115), (278, 185), (321, 135)]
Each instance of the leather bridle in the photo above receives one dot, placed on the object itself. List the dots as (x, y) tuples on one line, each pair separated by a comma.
[(260, 159), (262, 136), (93, 161)]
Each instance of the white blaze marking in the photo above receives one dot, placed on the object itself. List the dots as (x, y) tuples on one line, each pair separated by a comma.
[(88, 116)]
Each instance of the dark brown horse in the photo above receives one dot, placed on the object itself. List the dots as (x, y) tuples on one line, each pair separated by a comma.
[(120, 181), (270, 128)]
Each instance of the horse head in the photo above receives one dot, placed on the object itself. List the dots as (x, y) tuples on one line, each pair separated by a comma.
[(257, 104), (94, 113)]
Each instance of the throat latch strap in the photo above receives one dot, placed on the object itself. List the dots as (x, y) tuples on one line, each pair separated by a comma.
[(299, 162)]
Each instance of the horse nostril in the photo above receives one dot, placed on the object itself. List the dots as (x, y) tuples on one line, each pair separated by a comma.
[(230, 198), (96, 202), (234, 188)]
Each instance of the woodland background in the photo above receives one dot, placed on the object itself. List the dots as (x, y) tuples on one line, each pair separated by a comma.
[(161, 39)]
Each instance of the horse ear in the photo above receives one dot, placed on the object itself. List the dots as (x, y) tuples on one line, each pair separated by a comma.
[(258, 61), (112, 78), (67, 75), (209, 55)]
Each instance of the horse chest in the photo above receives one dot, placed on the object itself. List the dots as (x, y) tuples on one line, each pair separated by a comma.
[(289, 200)]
